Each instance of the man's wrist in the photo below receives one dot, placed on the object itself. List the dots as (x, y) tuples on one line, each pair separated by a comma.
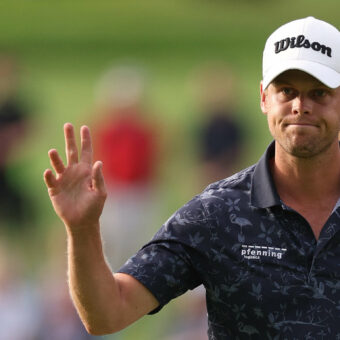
[(83, 231)]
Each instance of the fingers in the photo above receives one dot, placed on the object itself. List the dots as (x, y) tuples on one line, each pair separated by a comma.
[(98, 178), (56, 161), (49, 179), (86, 145), (70, 143)]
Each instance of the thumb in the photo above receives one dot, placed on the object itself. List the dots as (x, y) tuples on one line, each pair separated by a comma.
[(98, 178)]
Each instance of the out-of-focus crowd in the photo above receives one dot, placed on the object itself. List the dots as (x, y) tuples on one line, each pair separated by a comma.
[(34, 298)]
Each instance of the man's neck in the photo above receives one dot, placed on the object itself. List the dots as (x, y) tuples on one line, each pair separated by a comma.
[(309, 186), (307, 179)]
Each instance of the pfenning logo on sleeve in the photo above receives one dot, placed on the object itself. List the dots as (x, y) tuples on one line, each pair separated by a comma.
[(299, 42), (256, 252)]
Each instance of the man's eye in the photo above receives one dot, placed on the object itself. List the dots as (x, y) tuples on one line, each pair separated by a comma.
[(287, 91), (319, 93)]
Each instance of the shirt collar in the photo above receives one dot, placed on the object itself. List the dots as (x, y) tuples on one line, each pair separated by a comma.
[(263, 192)]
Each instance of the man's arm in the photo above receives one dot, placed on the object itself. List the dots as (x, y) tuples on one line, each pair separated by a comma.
[(106, 302)]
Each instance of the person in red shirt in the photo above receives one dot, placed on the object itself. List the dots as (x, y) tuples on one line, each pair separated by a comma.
[(126, 142)]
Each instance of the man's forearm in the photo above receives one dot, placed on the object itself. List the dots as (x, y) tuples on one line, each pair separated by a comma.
[(93, 288), (106, 302)]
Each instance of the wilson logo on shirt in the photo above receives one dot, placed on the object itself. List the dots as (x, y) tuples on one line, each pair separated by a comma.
[(256, 252)]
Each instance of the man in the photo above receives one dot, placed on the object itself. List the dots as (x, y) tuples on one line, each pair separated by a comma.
[(264, 242)]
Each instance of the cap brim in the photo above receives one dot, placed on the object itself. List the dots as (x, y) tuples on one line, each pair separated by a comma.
[(323, 73)]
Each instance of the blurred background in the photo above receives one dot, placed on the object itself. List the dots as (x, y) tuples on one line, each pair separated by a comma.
[(170, 91)]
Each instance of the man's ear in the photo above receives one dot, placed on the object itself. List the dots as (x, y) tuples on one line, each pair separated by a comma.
[(263, 94)]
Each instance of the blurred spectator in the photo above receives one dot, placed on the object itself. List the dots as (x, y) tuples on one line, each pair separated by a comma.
[(19, 306), (220, 136), (15, 207), (126, 141)]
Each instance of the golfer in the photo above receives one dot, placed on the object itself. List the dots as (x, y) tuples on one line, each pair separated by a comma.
[(265, 242)]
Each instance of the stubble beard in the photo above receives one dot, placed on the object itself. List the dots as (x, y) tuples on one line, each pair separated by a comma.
[(305, 147)]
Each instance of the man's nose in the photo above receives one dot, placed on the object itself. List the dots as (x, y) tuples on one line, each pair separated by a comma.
[(302, 105)]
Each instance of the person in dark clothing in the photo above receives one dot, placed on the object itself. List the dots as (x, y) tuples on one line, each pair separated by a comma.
[(15, 207)]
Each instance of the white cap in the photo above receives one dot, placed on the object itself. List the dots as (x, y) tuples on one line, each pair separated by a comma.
[(309, 45)]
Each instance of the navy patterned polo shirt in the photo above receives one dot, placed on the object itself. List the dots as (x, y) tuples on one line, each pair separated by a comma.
[(265, 275)]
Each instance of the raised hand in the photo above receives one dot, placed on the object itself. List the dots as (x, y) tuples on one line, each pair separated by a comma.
[(77, 190)]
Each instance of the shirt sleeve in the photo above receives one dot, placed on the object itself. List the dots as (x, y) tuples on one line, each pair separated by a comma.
[(173, 261)]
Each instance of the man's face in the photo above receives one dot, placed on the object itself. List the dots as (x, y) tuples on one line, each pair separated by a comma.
[(303, 114)]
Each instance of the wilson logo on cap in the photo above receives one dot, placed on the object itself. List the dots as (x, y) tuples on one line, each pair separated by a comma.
[(301, 41), (309, 45)]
